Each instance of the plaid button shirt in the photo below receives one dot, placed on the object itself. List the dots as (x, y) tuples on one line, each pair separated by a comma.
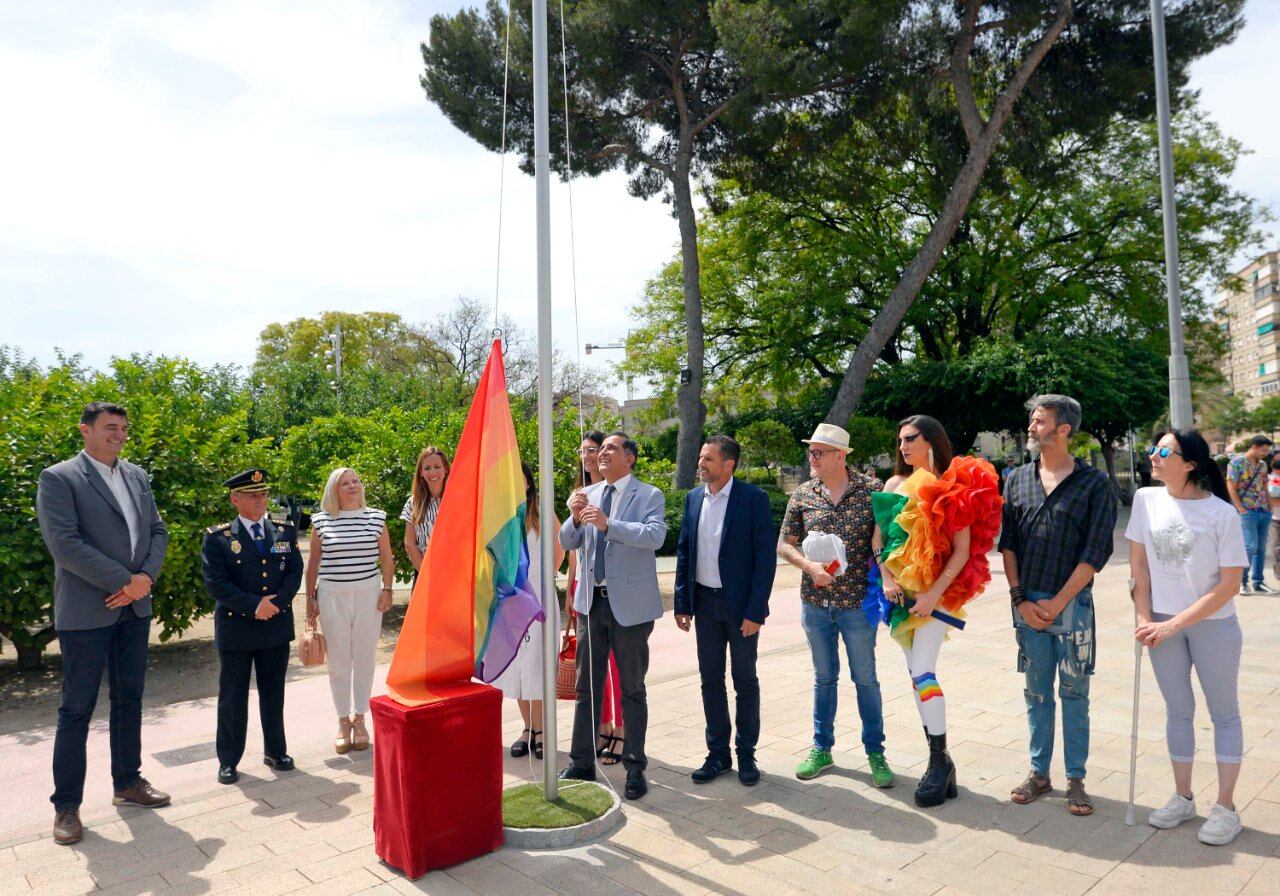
[(810, 510), (1052, 535)]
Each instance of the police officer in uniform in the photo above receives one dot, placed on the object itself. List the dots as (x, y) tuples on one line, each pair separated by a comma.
[(253, 569)]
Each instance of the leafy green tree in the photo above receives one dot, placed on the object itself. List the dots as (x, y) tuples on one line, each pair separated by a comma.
[(767, 442), (652, 89), (791, 283), (385, 362), (979, 83), (1265, 417), (870, 437), (182, 431)]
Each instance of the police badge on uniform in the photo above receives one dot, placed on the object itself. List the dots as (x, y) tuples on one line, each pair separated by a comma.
[(235, 546)]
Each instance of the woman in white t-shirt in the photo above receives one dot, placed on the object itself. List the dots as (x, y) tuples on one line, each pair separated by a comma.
[(1187, 558)]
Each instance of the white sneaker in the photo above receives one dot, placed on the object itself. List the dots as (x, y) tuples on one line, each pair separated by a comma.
[(1246, 588), (1263, 588), (1222, 826), (1174, 813)]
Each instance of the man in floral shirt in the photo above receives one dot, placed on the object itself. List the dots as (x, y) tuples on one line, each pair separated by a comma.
[(837, 501), (1247, 485)]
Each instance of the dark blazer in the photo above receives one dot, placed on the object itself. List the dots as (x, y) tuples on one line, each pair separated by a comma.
[(85, 531), (748, 553), (238, 577)]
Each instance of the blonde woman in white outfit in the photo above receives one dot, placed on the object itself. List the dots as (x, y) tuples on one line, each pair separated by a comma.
[(350, 554)]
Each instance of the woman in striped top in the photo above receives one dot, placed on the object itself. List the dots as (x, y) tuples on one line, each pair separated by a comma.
[(349, 548), (423, 505)]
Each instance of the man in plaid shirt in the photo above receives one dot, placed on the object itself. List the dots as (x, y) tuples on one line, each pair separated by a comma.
[(1059, 514)]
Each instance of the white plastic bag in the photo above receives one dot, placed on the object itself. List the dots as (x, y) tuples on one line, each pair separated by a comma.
[(825, 549)]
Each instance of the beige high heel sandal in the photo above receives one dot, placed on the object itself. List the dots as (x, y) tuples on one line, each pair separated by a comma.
[(342, 743), (359, 734)]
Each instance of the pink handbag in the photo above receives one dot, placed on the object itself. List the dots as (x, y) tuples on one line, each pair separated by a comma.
[(311, 648)]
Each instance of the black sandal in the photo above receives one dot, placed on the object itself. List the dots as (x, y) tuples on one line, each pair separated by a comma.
[(608, 755), (537, 744), (520, 748)]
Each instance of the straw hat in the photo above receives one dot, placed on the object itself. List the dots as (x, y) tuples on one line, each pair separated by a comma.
[(833, 436)]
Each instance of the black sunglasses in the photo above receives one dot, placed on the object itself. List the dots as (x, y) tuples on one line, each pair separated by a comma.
[(1163, 452)]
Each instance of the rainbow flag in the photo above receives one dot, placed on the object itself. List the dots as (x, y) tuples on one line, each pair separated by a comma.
[(472, 604)]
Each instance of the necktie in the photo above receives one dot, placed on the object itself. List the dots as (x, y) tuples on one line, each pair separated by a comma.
[(258, 543), (598, 565)]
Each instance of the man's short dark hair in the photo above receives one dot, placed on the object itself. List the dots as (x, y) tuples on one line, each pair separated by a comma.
[(628, 444), (1260, 440), (94, 408), (729, 449)]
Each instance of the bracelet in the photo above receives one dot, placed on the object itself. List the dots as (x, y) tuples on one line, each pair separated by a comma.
[(1017, 595), (387, 588)]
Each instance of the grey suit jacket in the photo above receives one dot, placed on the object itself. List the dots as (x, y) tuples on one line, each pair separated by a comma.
[(637, 528), (85, 531)]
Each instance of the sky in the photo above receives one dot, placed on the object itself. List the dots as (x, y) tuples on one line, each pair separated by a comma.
[(177, 175)]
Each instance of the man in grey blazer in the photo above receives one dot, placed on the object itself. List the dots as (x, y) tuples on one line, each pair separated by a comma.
[(619, 524), (101, 525)]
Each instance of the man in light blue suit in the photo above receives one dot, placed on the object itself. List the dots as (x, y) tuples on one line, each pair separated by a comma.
[(619, 524)]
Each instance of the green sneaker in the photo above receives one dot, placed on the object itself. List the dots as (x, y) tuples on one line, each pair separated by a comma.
[(818, 761), (881, 774)]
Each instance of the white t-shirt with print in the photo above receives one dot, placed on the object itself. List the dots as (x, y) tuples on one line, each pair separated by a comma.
[(1188, 542)]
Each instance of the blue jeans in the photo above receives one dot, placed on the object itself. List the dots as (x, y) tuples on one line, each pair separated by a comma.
[(1255, 523), (122, 650), (824, 626), (1064, 650)]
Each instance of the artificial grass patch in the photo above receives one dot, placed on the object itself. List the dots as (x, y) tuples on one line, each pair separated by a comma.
[(525, 806)]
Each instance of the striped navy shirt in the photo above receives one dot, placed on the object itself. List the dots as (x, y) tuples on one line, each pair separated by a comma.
[(349, 543)]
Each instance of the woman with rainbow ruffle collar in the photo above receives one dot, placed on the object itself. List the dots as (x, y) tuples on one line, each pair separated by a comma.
[(935, 521)]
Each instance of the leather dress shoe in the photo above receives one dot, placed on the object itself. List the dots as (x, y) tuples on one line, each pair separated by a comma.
[(573, 773), (748, 771), (141, 794), (279, 763), (227, 774), (636, 786), (713, 768), (67, 828)]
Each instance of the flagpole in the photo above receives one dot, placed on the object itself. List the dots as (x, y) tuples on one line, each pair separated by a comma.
[(546, 470)]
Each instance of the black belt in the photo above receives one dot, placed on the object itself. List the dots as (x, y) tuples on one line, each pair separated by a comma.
[(707, 589), (600, 591)]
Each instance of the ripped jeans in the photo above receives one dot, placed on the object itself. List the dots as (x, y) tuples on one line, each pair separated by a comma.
[(1064, 650)]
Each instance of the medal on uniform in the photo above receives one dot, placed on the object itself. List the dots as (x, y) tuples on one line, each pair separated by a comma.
[(235, 546)]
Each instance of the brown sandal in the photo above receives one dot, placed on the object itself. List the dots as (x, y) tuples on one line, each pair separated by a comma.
[(1031, 789), (1078, 802)]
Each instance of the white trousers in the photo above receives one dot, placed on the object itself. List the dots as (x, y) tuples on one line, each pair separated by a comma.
[(351, 624)]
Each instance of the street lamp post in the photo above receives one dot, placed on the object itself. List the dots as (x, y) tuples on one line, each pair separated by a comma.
[(1180, 414), (606, 346), (335, 364)]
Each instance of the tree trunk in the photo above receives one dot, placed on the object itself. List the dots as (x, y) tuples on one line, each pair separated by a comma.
[(693, 413), (983, 139), (1109, 458), (30, 656)]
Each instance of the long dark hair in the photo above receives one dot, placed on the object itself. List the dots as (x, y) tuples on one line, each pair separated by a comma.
[(531, 521), (583, 478), (933, 433), (1195, 450), (421, 493)]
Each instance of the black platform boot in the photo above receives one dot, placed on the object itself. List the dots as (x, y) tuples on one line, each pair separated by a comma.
[(939, 782)]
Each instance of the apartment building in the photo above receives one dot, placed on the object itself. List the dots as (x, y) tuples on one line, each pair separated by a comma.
[(1251, 316)]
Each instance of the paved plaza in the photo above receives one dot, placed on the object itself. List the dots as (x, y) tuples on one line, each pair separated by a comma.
[(311, 830)]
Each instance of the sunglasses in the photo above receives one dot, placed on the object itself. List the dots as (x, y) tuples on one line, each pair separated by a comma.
[(1162, 453)]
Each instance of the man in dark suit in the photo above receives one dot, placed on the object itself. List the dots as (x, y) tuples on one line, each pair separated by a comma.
[(725, 563), (253, 569), (101, 526)]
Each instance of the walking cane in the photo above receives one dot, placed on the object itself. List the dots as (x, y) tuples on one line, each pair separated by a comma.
[(1133, 731)]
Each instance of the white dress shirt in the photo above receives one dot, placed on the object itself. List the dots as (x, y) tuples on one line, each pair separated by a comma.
[(114, 478), (710, 531), (618, 488), (248, 524)]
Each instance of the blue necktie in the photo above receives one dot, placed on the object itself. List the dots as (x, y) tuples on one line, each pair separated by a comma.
[(259, 544), (598, 566)]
